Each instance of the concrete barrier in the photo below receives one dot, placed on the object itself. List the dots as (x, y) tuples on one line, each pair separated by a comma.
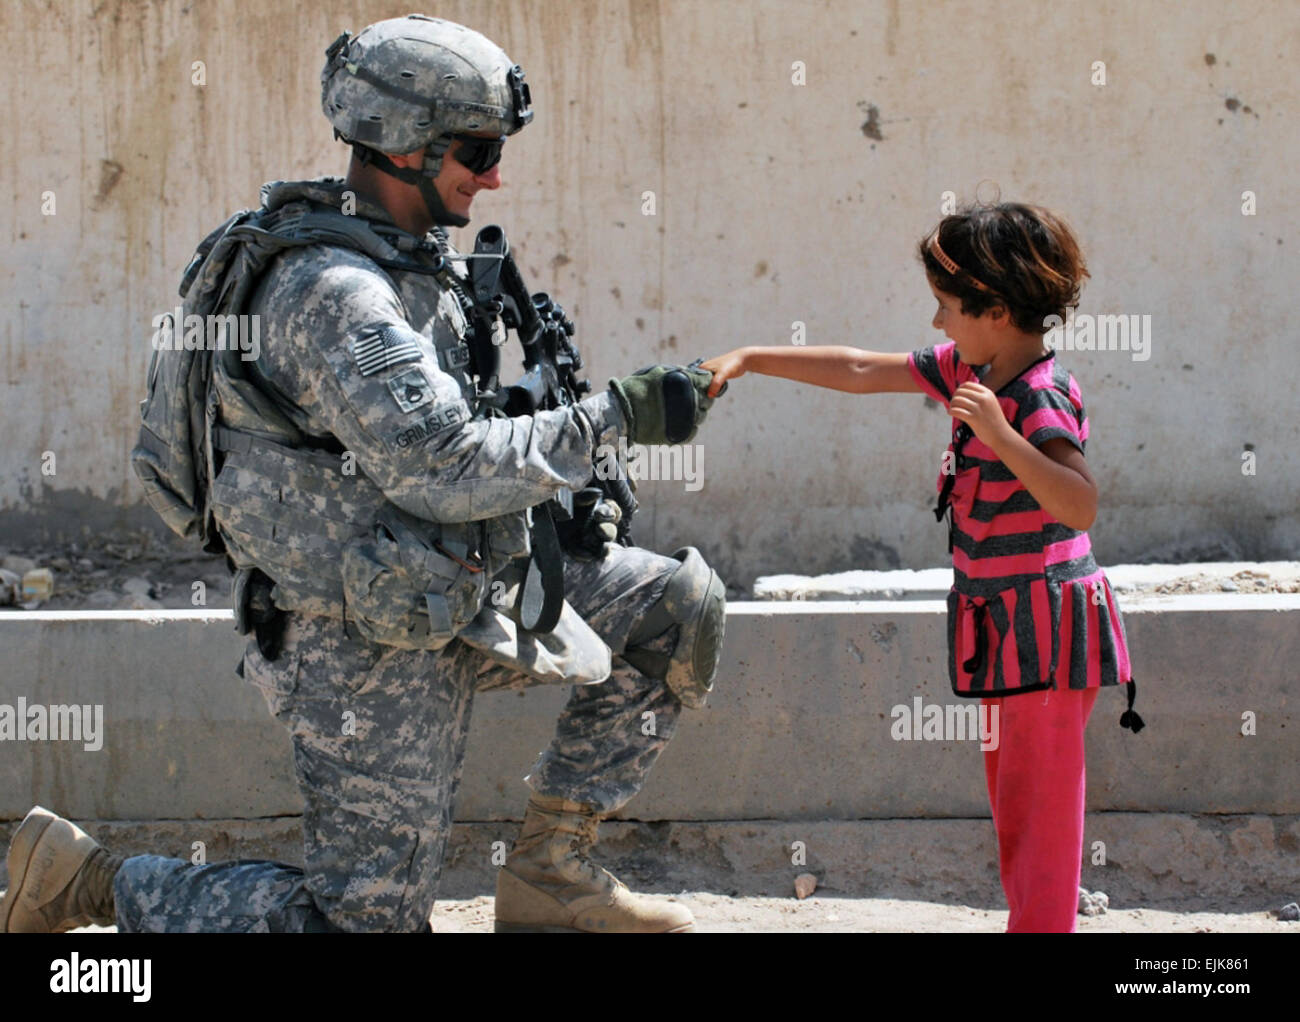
[(801, 726)]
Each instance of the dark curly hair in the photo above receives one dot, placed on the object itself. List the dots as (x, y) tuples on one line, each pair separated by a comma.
[(1026, 256)]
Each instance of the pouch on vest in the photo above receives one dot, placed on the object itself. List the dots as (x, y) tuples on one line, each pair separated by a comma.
[(571, 653), (406, 585)]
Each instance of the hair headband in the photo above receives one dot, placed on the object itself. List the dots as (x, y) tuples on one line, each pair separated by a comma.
[(951, 266)]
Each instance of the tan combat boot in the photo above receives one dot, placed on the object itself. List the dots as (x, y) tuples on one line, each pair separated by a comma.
[(59, 877), (548, 885)]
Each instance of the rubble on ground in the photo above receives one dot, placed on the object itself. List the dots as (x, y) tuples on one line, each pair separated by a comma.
[(123, 570), (1093, 904), (1131, 582)]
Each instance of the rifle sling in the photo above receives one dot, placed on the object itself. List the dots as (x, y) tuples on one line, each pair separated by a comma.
[(541, 597)]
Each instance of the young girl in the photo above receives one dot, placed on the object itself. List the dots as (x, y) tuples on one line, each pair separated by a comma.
[(1033, 627)]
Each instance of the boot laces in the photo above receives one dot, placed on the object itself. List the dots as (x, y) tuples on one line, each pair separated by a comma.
[(97, 891), (580, 843)]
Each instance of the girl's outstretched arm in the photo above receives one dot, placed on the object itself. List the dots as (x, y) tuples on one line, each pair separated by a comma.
[(836, 367)]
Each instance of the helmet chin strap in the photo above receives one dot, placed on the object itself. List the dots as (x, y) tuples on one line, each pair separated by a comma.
[(422, 179), (442, 216)]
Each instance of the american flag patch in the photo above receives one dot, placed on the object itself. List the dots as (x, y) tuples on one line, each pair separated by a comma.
[(391, 346)]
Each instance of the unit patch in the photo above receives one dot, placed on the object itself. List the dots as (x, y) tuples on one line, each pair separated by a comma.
[(411, 390)]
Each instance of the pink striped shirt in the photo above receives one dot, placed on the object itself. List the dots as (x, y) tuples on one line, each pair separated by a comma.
[(1029, 608)]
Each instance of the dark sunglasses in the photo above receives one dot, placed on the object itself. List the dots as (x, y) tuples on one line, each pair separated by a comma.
[(478, 154)]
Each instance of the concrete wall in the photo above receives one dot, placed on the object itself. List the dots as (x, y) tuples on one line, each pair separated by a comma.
[(776, 203), (801, 726)]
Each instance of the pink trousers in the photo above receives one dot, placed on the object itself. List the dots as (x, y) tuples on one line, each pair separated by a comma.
[(1035, 779)]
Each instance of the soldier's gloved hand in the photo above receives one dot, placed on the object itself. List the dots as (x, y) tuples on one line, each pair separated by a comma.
[(663, 404), (603, 523), (594, 525)]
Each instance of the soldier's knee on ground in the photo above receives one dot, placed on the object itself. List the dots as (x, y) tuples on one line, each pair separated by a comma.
[(694, 601), (154, 894)]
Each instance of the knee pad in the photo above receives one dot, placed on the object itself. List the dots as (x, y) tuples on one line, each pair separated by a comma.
[(696, 601)]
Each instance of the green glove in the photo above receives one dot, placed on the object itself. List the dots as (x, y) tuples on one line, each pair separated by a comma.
[(663, 404)]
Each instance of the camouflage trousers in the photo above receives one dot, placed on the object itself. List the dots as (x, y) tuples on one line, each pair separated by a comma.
[(379, 738)]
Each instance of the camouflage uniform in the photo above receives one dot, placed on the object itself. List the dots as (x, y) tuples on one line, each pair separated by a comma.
[(379, 801)]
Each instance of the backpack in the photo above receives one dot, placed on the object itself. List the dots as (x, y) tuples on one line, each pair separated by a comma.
[(173, 454)]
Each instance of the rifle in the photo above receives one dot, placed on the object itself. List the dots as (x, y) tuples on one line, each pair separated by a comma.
[(551, 366), (550, 381)]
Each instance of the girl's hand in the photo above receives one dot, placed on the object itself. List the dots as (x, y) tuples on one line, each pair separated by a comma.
[(725, 367), (977, 406)]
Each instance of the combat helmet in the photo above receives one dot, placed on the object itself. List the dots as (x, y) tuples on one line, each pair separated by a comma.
[(418, 81)]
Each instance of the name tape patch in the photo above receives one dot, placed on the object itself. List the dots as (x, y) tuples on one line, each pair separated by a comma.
[(440, 420), (454, 358)]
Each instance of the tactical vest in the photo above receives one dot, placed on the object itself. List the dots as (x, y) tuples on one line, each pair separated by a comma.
[(221, 459), (329, 539)]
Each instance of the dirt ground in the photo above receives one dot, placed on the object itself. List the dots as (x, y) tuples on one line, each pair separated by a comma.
[(717, 913)]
